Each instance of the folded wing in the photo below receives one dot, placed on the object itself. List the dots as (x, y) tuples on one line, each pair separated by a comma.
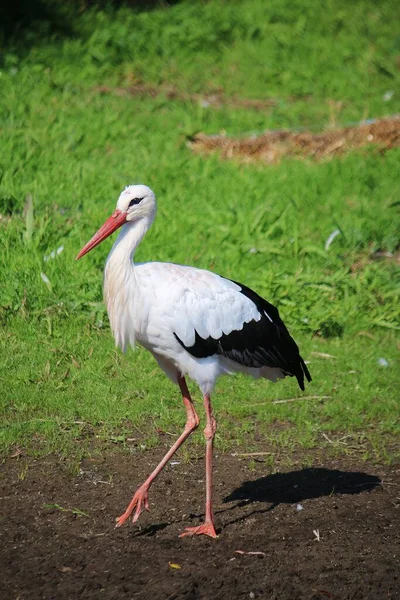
[(220, 316)]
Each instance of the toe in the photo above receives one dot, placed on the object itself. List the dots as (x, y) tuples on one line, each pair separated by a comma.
[(205, 529)]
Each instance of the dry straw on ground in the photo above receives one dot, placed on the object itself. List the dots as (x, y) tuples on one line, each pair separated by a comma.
[(271, 146)]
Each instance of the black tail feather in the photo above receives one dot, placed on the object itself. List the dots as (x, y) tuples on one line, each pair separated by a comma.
[(303, 371)]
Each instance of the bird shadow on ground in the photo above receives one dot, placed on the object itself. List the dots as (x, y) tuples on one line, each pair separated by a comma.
[(151, 530), (296, 486)]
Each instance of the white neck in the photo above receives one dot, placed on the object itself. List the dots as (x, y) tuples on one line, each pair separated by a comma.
[(119, 280), (125, 245)]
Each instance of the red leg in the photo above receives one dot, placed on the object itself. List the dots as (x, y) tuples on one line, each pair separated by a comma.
[(209, 432), (140, 500)]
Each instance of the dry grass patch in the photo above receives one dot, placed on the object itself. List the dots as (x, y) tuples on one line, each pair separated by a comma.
[(272, 146)]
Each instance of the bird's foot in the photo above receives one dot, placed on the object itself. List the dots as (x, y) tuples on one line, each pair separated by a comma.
[(206, 529), (140, 501)]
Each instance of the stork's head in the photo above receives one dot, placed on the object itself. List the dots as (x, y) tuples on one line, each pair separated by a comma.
[(135, 202)]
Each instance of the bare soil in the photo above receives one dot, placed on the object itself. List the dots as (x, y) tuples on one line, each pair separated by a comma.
[(272, 146), (59, 542)]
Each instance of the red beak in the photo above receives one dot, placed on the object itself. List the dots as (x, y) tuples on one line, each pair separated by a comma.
[(116, 220)]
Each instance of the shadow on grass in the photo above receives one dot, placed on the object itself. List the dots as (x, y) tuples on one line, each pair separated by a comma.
[(41, 19), (296, 486)]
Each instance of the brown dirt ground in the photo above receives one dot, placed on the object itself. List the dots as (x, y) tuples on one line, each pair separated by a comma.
[(49, 553), (271, 146)]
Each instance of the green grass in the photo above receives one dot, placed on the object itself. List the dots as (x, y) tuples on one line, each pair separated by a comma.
[(71, 149)]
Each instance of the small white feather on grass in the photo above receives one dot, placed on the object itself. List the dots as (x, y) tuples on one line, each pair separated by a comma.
[(331, 237), (46, 280), (53, 254)]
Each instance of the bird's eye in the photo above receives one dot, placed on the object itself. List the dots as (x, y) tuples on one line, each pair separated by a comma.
[(135, 201)]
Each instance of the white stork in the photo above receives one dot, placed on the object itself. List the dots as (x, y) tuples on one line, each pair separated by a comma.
[(194, 322)]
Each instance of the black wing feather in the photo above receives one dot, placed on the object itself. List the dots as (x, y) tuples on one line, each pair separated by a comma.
[(266, 342)]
